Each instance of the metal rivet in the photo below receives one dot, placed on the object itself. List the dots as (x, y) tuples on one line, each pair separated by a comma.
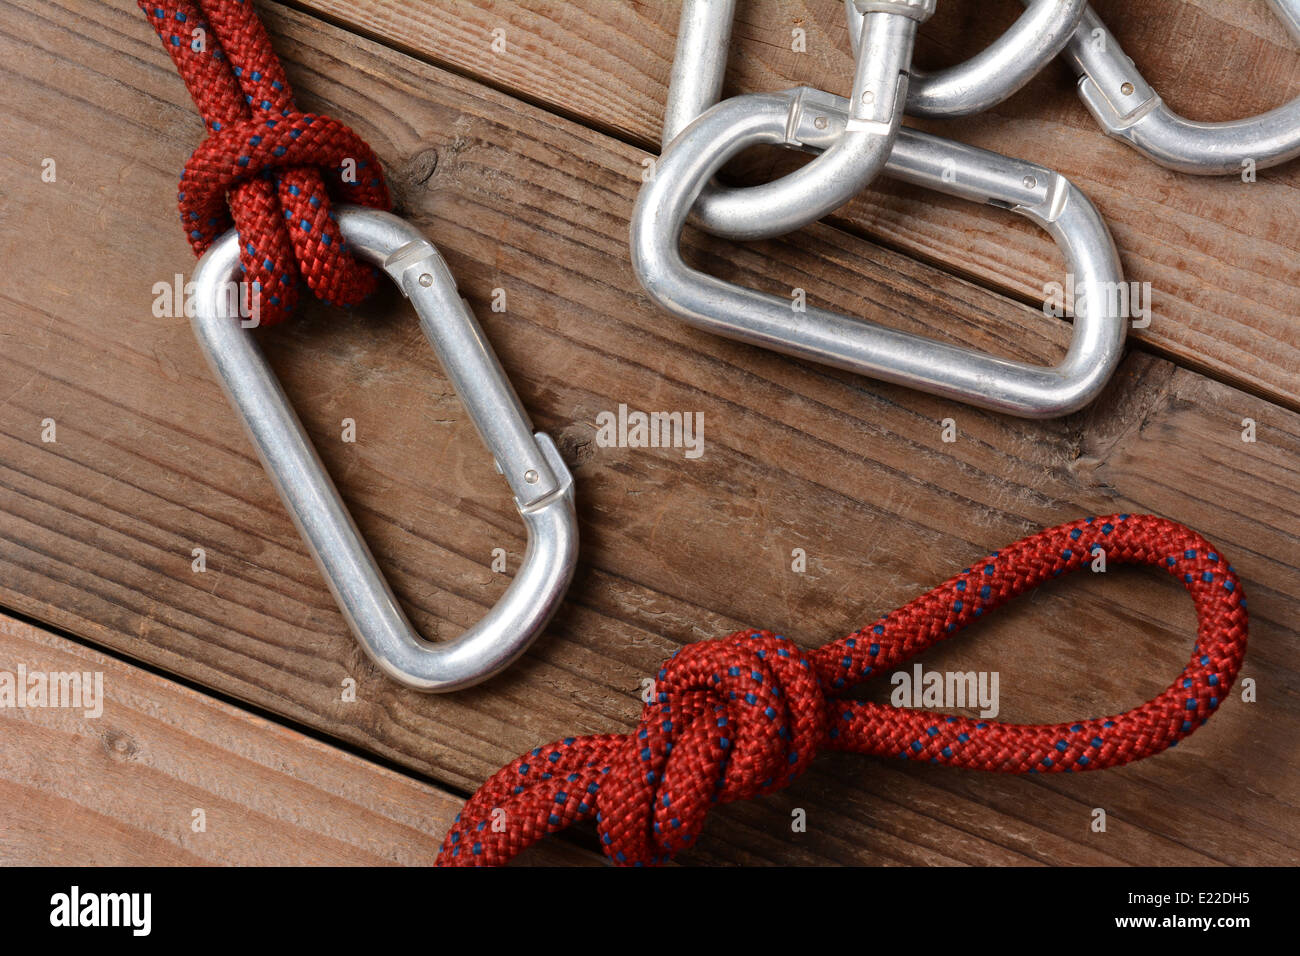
[(1127, 89), (426, 279), (531, 476), (868, 96), (820, 122), (1031, 182)]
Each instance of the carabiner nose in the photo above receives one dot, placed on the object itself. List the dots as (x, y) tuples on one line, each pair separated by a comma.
[(1129, 109), (542, 485)]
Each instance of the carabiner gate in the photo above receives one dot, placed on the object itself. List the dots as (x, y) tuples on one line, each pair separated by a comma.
[(530, 462)]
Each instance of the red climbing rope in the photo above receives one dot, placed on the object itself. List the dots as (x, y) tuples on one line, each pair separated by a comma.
[(266, 160), (742, 716)]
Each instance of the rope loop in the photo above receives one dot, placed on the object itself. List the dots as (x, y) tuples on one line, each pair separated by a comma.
[(736, 718)]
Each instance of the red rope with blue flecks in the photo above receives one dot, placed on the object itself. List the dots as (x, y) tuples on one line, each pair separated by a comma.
[(742, 716), (265, 165)]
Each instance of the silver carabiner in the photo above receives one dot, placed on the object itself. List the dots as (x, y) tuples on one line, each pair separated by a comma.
[(1128, 108), (811, 119), (995, 74), (886, 36), (531, 464)]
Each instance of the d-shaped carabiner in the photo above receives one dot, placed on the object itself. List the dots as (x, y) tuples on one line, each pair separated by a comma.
[(812, 120), (995, 74), (542, 485), (886, 36), (1128, 108)]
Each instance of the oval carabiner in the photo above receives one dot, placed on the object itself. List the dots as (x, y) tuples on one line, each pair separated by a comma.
[(994, 74), (542, 485), (886, 37), (1130, 109), (814, 119)]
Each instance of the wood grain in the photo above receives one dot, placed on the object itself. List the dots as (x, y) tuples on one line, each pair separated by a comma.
[(1219, 254), (119, 784), (96, 529)]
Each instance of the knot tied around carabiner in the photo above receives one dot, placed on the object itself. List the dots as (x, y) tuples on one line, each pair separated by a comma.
[(265, 165), (742, 716)]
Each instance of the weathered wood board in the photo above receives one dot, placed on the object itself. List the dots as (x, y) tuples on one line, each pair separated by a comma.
[(132, 769), (97, 529)]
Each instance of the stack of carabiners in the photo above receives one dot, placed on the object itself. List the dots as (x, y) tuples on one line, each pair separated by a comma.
[(858, 138)]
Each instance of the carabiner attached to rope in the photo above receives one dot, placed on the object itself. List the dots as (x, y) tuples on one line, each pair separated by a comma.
[(542, 485), (995, 74), (1130, 109)]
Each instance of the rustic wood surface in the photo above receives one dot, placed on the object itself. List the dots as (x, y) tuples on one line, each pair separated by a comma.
[(119, 784), (97, 528)]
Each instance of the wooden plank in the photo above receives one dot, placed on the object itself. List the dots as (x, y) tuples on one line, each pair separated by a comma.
[(145, 772), (96, 530), (1218, 253)]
